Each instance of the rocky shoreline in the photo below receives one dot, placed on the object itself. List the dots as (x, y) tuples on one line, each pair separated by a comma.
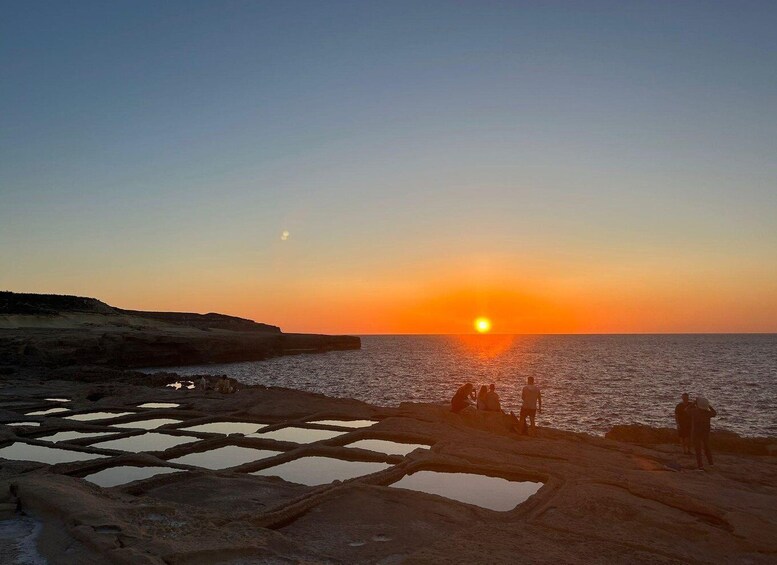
[(600, 499)]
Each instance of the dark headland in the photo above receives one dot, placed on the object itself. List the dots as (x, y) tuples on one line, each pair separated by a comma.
[(55, 330), (66, 382)]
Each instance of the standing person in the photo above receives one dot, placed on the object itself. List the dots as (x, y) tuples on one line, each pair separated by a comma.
[(482, 398), (683, 420), (492, 400), (463, 398), (700, 415), (532, 399)]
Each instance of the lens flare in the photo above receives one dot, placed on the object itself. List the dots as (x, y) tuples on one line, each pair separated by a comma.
[(483, 325)]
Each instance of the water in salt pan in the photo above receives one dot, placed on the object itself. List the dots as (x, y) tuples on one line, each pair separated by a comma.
[(224, 457), (22, 424), (147, 424), (298, 435), (387, 447), (227, 427), (345, 423), (313, 471), (159, 405), (47, 412), (67, 436), (89, 416), (123, 474), (57, 399), (177, 385), (145, 442), (494, 493), (19, 451)]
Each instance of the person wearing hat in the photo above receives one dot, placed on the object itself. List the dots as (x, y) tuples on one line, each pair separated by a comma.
[(700, 414)]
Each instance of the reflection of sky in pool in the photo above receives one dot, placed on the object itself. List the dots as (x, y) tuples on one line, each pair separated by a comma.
[(345, 423), (65, 436), (22, 424), (159, 405), (25, 452), (321, 470), (224, 457), (144, 442), (495, 493), (47, 412), (227, 427), (89, 416), (147, 424), (113, 476), (388, 447), (57, 399), (298, 435)]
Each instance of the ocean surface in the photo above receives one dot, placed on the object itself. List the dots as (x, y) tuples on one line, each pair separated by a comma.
[(589, 382)]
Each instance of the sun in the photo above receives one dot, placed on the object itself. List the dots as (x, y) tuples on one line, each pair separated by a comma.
[(483, 325)]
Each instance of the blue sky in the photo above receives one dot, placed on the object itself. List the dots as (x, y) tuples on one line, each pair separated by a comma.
[(147, 148)]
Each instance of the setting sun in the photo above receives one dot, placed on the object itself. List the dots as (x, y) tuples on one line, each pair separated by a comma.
[(483, 325)]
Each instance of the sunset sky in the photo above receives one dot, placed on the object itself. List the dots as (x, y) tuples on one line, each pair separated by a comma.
[(556, 167)]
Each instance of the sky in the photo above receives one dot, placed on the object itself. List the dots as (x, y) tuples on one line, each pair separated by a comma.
[(396, 167)]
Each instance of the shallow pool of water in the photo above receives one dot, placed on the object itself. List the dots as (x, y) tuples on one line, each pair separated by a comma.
[(224, 457), (494, 493), (387, 447), (19, 451), (22, 424), (89, 416), (313, 471), (57, 399), (145, 442), (47, 412), (159, 405), (66, 436), (346, 423), (227, 427), (114, 476), (177, 385), (147, 424), (298, 435)]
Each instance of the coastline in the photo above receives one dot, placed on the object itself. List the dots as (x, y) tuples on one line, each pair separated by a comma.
[(600, 498)]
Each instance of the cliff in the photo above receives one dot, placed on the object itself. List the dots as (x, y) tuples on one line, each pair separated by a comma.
[(52, 330)]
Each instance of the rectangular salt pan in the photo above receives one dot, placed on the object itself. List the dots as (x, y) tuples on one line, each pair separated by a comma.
[(26, 452), (346, 423), (114, 476), (314, 471), (145, 442), (227, 428), (387, 447), (22, 424), (494, 493), (224, 457), (159, 405), (298, 435), (89, 416), (147, 424), (66, 436), (57, 399), (47, 412)]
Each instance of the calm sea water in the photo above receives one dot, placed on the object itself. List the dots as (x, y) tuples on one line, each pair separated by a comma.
[(589, 383)]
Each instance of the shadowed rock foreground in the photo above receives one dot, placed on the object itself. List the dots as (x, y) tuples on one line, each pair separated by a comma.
[(602, 501)]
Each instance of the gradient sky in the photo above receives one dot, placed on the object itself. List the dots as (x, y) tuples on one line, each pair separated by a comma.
[(556, 166)]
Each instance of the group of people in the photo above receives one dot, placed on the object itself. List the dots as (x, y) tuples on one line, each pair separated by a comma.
[(693, 426), (487, 400)]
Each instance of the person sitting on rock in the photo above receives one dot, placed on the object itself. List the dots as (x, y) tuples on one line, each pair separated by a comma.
[(683, 420), (463, 398), (700, 414), (492, 400), (482, 398)]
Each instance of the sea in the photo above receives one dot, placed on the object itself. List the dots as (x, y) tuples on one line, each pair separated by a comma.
[(589, 383)]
